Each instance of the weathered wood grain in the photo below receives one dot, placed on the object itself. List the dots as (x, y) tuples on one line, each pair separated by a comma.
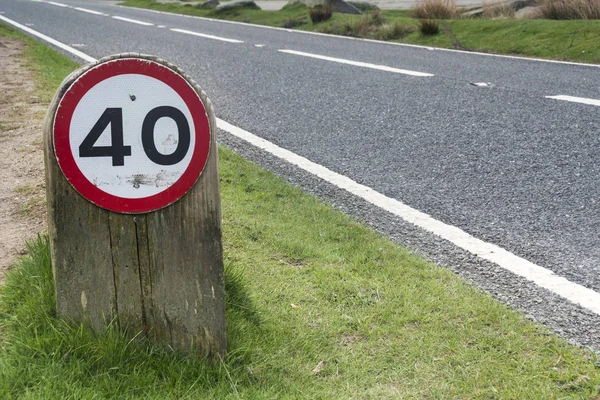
[(159, 273)]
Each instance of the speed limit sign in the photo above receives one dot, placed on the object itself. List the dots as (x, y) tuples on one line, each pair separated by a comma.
[(131, 135), (134, 204)]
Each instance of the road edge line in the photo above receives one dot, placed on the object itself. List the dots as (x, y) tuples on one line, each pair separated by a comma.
[(48, 39), (541, 276)]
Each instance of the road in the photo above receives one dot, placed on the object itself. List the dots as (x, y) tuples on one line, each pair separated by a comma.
[(487, 148)]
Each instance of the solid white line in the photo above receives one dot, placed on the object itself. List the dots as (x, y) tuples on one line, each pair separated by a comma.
[(416, 46), (56, 43), (207, 36), (358, 63), (58, 4), (134, 21), (541, 276), (582, 100), (89, 11)]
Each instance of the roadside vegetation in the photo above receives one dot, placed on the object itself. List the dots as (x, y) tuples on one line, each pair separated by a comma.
[(570, 9), (318, 306), (567, 30)]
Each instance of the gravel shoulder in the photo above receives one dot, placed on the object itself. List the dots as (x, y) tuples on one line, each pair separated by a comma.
[(22, 192)]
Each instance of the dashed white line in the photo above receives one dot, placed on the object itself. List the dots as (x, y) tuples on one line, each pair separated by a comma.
[(89, 11), (358, 63), (582, 100), (58, 4), (133, 21), (541, 276), (415, 46), (48, 39), (207, 36)]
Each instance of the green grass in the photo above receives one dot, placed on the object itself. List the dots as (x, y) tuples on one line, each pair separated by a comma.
[(305, 284), (559, 40), (48, 66)]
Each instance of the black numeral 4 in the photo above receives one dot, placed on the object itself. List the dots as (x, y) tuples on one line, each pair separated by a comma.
[(117, 150)]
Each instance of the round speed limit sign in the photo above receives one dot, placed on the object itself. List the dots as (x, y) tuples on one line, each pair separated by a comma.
[(131, 135)]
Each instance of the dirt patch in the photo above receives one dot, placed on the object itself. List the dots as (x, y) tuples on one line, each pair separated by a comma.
[(350, 340), (22, 192)]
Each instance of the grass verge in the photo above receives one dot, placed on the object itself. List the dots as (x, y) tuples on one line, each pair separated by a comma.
[(318, 306), (559, 40), (49, 66)]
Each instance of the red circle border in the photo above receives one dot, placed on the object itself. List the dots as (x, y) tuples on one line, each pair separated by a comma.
[(64, 115)]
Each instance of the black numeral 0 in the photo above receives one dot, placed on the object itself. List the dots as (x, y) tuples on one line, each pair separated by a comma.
[(117, 150), (183, 143)]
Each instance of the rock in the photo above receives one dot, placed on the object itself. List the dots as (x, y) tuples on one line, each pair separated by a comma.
[(363, 5), (338, 5), (237, 4), (346, 8), (514, 4), (208, 4), (528, 13), (520, 4), (473, 13)]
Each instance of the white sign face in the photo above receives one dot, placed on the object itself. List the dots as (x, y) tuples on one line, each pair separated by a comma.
[(135, 96), (131, 135)]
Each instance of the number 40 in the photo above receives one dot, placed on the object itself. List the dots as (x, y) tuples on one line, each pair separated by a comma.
[(118, 150)]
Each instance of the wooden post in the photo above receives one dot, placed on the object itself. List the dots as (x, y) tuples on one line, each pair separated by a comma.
[(160, 272)]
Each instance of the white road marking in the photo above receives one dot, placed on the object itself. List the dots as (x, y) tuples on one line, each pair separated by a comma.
[(48, 39), (133, 21), (582, 100), (358, 63), (541, 276), (89, 11), (58, 4), (416, 46), (207, 36), (161, 26)]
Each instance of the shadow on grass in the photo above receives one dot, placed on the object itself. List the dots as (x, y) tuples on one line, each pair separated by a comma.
[(39, 352)]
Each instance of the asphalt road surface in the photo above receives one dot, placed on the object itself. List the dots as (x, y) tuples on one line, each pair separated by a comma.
[(486, 146)]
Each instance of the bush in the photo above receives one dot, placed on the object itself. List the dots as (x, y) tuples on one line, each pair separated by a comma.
[(436, 9), (394, 31), (570, 9), (371, 26), (429, 27), (368, 23), (293, 22), (498, 11), (320, 13)]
